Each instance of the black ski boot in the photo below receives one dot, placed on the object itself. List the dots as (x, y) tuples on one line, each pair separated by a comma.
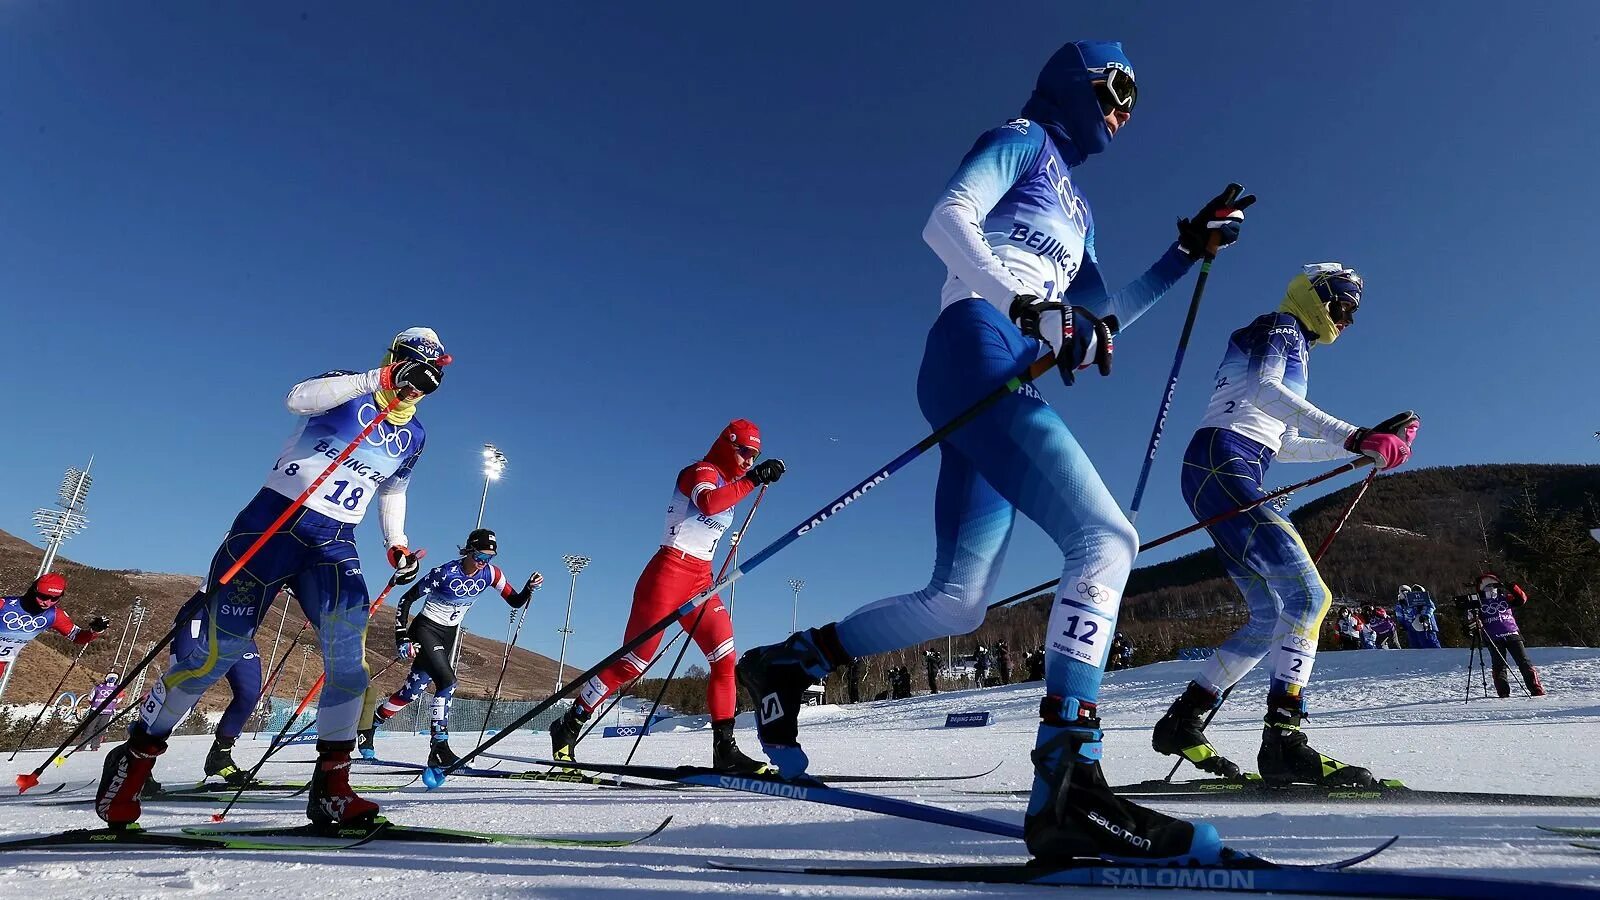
[(1287, 757), (776, 677), (440, 756), (365, 742), (1073, 814), (219, 762), (565, 731), (726, 755), (1181, 732)]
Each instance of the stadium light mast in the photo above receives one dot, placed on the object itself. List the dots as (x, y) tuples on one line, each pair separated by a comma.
[(575, 565), (57, 526), (494, 465), (794, 615)]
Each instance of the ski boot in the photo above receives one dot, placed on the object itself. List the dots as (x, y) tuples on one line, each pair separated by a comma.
[(776, 677), (332, 801), (564, 734), (219, 762), (365, 742), (728, 758), (1073, 814), (1181, 732), (123, 777), (440, 756), (1287, 757)]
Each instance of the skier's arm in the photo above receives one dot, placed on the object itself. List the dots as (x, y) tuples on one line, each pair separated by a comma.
[(392, 502), (699, 483), (1268, 361), (402, 610), (519, 599), (1298, 449), (324, 392), (1088, 287), (63, 626), (955, 227)]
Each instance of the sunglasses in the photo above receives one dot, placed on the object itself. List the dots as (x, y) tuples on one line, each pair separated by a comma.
[(1117, 91), (747, 453), (482, 555)]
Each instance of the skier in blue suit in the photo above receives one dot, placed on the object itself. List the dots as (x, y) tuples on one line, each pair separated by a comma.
[(1018, 237)]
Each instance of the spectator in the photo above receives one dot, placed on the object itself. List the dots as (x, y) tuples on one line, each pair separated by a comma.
[(1002, 659), (1369, 638), (980, 664), (1349, 629), (1383, 630), (1499, 624), (106, 688), (1035, 663), (852, 681), (1415, 612), (931, 660)]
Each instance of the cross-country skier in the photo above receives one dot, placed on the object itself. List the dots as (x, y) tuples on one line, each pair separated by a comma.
[(316, 550), (1499, 623), (1259, 413), (1019, 240), (1418, 616), (700, 511), (447, 593), (35, 611)]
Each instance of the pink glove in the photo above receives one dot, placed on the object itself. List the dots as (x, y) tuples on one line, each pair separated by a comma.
[(1389, 442)]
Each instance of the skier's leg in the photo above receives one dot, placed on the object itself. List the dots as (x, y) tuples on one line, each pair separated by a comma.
[(714, 636), (333, 596), (244, 680), (437, 645)]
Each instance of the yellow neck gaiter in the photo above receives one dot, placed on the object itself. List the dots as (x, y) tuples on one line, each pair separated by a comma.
[(402, 413), (1302, 302)]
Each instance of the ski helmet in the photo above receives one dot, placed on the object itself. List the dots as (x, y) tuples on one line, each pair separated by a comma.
[(481, 540), (736, 449), (47, 589), (1324, 297), (1066, 103)]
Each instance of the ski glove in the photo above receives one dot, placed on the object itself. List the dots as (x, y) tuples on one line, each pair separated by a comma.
[(1077, 337), (99, 624), (1216, 225), (521, 598), (768, 471), (1388, 443), (412, 375), (406, 564)]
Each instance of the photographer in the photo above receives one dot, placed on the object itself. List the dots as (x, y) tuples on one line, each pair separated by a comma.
[(1490, 611), (1349, 629), (1383, 630)]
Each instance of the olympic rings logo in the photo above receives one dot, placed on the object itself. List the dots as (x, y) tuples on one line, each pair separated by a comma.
[(16, 621), (467, 587), (395, 442)]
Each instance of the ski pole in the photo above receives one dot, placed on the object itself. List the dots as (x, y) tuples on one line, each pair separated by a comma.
[(733, 549), (505, 661), (277, 670), (1207, 523), (282, 618), (277, 741), (1040, 366), (300, 501), (56, 692), (1212, 246), (27, 780), (1317, 558), (621, 692)]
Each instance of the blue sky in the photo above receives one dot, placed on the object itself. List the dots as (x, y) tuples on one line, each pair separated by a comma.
[(631, 224)]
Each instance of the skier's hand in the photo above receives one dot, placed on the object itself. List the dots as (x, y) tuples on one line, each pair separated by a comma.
[(1389, 442), (768, 471), (407, 650), (412, 378), (521, 598), (1078, 338), (1216, 225), (99, 624), (406, 564)]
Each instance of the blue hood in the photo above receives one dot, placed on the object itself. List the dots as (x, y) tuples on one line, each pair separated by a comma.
[(1065, 104)]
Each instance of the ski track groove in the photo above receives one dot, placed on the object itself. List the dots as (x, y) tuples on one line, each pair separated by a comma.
[(1397, 712)]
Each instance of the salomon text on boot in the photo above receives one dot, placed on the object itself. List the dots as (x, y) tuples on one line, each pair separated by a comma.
[(727, 757), (122, 778), (332, 801), (1181, 732), (1072, 813), (1287, 756), (776, 677)]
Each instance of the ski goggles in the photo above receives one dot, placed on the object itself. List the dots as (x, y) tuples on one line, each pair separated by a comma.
[(1341, 290), (482, 556), (748, 454), (1114, 87)]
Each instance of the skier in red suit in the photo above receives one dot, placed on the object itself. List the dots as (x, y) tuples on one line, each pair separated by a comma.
[(700, 513)]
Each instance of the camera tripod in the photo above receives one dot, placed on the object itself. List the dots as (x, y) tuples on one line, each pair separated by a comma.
[(1475, 658)]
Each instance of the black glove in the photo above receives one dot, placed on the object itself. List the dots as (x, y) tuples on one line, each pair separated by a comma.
[(521, 598), (1217, 221), (402, 636), (99, 624), (1083, 340), (412, 375), (768, 471), (406, 564)]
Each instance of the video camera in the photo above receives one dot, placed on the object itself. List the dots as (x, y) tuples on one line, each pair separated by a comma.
[(1469, 604)]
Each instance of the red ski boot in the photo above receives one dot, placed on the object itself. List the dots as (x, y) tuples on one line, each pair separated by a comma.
[(331, 801), (126, 770)]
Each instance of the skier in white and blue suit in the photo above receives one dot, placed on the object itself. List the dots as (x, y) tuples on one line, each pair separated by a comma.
[(1019, 240)]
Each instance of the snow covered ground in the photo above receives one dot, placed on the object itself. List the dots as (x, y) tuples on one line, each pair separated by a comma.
[(1400, 713)]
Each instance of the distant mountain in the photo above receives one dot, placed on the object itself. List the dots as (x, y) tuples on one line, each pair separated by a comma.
[(99, 591)]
